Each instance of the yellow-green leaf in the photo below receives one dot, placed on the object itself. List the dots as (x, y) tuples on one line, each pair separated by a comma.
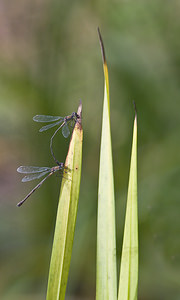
[(66, 217), (128, 282), (106, 280)]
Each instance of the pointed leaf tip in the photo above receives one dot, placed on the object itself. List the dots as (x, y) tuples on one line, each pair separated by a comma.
[(106, 277), (102, 46), (128, 279), (79, 111), (135, 109)]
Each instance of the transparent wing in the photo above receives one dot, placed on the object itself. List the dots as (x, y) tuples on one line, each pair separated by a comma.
[(31, 169), (34, 176), (65, 131), (72, 123), (45, 118), (50, 126)]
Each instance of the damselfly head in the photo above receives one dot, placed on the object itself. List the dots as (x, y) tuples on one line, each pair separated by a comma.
[(75, 115), (61, 165)]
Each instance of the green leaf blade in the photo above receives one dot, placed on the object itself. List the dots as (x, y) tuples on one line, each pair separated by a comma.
[(66, 217), (128, 282), (106, 280)]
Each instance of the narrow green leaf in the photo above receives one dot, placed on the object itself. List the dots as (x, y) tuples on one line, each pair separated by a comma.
[(128, 282), (66, 217), (106, 280)]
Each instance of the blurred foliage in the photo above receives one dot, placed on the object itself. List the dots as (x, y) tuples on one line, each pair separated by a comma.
[(50, 58)]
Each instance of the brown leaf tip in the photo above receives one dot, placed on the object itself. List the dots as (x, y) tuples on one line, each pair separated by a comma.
[(102, 46), (79, 112)]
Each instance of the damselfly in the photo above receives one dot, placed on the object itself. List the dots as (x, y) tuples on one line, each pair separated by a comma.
[(64, 123), (36, 173)]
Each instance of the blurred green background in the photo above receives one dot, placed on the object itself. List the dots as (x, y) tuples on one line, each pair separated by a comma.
[(50, 59)]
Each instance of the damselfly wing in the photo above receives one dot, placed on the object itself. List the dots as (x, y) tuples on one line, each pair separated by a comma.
[(36, 173), (64, 123)]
